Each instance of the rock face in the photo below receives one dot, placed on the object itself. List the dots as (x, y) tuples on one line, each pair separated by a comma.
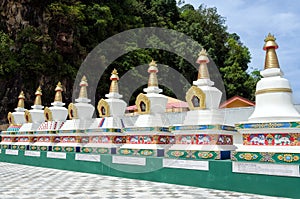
[(16, 16)]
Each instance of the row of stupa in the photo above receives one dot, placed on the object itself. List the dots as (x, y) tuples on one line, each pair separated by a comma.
[(271, 134)]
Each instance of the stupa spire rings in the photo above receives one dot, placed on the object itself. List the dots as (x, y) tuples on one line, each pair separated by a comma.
[(203, 60), (114, 82), (271, 60), (21, 100), (58, 95), (83, 98), (152, 70), (83, 84), (38, 94)]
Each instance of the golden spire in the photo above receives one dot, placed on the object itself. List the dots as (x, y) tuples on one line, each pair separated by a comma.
[(114, 82), (203, 60), (21, 100), (38, 94), (271, 60), (58, 95), (152, 77), (83, 84)]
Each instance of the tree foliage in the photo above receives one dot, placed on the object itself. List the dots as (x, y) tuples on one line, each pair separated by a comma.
[(48, 40)]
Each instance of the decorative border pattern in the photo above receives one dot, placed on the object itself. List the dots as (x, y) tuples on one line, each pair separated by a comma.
[(204, 139), (138, 129), (137, 152), (202, 127), (268, 125), (265, 157), (193, 155), (150, 139), (95, 150), (272, 139)]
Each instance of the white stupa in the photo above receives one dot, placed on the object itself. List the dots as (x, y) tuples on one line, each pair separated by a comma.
[(105, 134), (273, 92), (149, 136), (81, 112), (16, 120), (112, 109), (17, 117), (152, 105), (35, 116), (203, 134), (56, 115), (271, 133), (203, 98)]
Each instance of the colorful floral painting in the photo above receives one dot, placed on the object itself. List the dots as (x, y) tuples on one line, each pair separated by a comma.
[(273, 139)]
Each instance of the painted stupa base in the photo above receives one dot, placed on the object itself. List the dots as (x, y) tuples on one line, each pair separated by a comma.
[(101, 140), (146, 141), (273, 142), (202, 142)]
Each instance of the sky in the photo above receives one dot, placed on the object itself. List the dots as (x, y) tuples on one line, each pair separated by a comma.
[(253, 20)]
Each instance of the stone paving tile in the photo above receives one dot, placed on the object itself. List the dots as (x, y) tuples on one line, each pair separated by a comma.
[(20, 181)]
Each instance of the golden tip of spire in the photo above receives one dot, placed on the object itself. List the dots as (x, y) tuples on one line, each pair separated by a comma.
[(58, 96), (84, 78), (270, 37), (270, 41), (38, 91), (114, 72), (83, 81), (202, 52), (21, 100), (202, 57), (153, 63), (21, 95), (58, 87), (114, 75)]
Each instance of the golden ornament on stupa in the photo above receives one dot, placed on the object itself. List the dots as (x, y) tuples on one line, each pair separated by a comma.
[(114, 82), (38, 94), (203, 60), (21, 100), (271, 60), (152, 70), (83, 84), (58, 93)]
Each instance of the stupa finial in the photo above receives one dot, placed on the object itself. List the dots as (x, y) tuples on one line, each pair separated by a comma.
[(38, 94), (114, 82), (152, 77), (58, 95), (271, 60), (203, 60), (83, 84), (21, 100)]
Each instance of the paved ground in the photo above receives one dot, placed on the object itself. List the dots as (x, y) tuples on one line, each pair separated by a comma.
[(19, 181)]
